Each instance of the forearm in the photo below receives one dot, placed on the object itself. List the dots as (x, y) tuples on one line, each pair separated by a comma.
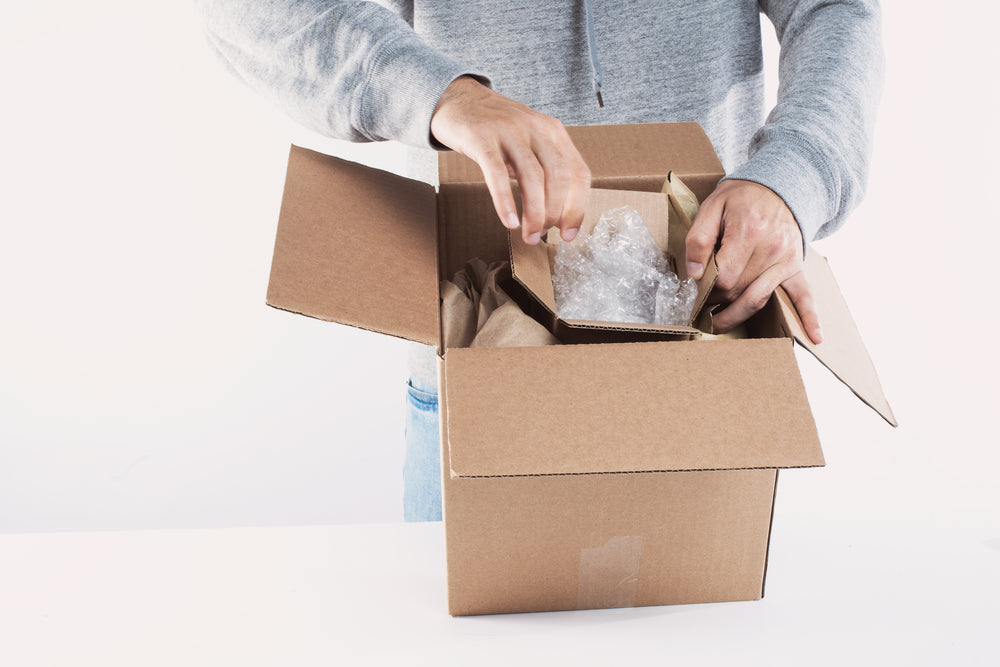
[(815, 147), (351, 70)]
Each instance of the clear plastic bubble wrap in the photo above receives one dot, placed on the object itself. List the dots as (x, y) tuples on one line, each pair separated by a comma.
[(619, 274)]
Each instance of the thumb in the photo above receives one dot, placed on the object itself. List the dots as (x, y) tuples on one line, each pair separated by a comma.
[(702, 237), (801, 295)]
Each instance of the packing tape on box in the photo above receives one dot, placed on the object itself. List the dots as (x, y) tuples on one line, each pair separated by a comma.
[(609, 574)]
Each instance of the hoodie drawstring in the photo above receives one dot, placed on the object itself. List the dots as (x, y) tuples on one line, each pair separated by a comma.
[(595, 64)]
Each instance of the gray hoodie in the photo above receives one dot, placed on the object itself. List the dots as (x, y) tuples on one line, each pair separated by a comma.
[(367, 71)]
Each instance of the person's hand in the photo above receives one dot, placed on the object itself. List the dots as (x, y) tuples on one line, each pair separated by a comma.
[(761, 248), (510, 140)]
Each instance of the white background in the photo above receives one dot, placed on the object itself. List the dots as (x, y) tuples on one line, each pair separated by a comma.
[(144, 383)]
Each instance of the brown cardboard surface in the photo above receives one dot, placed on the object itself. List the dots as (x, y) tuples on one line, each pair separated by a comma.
[(469, 227), (842, 350), (531, 266), (627, 157), (522, 544), (356, 245), (628, 407)]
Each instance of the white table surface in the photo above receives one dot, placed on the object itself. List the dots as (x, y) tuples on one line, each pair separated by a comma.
[(899, 594)]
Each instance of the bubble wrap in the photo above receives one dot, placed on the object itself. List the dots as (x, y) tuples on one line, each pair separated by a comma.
[(619, 274)]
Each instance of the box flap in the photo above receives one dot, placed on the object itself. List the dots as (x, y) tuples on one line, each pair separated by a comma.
[(627, 407), (682, 206), (627, 157), (842, 350), (532, 264), (356, 245)]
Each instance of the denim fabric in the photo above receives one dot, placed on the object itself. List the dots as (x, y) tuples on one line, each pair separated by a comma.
[(422, 466)]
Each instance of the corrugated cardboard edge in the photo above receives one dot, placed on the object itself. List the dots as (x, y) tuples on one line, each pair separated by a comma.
[(446, 490), (842, 351), (637, 471), (770, 529), (649, 328)]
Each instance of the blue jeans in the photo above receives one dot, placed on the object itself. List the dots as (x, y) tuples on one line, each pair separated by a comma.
[(422, 466)]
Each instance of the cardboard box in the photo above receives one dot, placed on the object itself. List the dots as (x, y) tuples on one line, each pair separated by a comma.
[(580, 475)]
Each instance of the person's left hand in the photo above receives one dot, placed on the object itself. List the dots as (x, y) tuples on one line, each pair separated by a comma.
[(761, 248)]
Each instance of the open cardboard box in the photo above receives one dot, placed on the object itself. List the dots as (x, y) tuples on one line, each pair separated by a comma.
[(580, 475)]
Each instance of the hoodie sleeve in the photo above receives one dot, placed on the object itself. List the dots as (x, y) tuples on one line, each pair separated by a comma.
[(815, 147), (352, 70)]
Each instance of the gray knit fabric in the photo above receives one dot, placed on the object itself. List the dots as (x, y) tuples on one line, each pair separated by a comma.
[(367, 71), (358, 70)]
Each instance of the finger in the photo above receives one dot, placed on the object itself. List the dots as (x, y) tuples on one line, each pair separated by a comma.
[(702, 237), (557, 183), (531, 178), (567, 179), (495, 172), (802, 298), (567, 190), (753, 298), (737, 258), (575, 206), (576, 202)]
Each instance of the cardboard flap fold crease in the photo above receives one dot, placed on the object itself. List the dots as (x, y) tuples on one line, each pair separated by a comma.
[(631, 407)]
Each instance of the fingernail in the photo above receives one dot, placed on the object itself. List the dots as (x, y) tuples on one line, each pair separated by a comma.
[(534, 238), (569, 234), (817, 335), (511, 221), (694, 270)]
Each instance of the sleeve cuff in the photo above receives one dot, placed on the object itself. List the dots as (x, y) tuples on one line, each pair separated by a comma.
[(797, 173), (406, 79)]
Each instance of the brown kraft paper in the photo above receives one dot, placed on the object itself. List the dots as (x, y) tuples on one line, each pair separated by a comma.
[(476, 312)]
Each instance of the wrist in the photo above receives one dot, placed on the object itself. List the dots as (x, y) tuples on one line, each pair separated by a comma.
[(458, 93)]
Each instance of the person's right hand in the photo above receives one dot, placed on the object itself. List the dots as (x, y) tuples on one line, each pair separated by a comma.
[(510, 140)]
